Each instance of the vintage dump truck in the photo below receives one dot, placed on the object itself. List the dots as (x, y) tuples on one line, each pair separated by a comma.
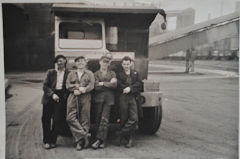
[(92, 30)]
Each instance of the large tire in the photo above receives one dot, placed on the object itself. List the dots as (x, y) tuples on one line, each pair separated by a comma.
[(152, 117)]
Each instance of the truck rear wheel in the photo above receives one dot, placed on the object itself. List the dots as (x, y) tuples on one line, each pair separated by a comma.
[(152, 117)]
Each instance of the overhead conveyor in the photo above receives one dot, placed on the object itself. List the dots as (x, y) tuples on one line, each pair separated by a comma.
[(224, 27)]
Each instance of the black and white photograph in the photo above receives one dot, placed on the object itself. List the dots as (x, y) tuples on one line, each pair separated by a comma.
[(120, 79)]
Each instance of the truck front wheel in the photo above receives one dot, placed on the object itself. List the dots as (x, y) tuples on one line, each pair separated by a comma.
[(152, 117)]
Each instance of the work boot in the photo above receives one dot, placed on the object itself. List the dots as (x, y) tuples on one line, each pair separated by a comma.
[(130, 142), (46, 146), (79, 145), (102, 145), (96, 144), (86, 140), (53, 145), (119, 138)]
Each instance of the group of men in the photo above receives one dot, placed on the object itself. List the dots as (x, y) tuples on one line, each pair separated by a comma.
[(67, 98)]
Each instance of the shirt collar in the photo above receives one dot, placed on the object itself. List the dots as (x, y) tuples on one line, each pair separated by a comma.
[(128, 72), (84, 71), (103, 71), (61, 70)]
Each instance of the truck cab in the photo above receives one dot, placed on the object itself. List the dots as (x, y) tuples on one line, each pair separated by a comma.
[(92, 30), (80, 37)]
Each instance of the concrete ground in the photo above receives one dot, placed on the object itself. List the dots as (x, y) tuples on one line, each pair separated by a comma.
[(200, 116)]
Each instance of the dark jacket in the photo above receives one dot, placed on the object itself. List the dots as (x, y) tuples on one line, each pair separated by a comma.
[(105, 93), (136, 83), (106, 79), (136, 87), (49, 85)]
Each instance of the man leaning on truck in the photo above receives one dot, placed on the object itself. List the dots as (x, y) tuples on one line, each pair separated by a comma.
[(54, 102), (105, 83), (80, 83), (129, 85)]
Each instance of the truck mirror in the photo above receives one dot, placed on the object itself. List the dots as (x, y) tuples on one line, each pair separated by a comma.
[(163, 26)]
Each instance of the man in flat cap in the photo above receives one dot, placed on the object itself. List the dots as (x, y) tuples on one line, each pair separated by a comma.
[(105, 83), (54, 101), (80, 83)]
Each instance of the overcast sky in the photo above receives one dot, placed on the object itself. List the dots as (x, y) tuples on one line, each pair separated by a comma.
[(203, 8)]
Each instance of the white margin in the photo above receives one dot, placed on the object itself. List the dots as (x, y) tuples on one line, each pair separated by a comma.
[(2, 93)]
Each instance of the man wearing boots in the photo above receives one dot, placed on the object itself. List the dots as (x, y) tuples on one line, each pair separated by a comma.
[(129, 85), (80, 82), (54, 102), (105, 82)]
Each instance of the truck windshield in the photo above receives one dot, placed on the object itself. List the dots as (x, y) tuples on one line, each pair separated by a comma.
[(70, 30), (80, 35)]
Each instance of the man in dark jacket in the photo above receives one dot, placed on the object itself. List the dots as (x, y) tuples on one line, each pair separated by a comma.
[(129, 85), (54, 102)]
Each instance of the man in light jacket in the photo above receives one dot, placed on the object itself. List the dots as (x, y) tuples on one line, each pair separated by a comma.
[(80, 83)]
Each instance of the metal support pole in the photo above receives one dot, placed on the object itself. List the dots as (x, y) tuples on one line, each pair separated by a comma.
[(187, 57), (192, 58)]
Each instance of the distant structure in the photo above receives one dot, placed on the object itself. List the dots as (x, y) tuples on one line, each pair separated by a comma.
[(220, 48), (237, 6), (216, 38), (185, 18)]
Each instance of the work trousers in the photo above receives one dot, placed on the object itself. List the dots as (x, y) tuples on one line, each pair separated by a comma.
[(53, 116), (78, 115), (128, 114), (102, 120)]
